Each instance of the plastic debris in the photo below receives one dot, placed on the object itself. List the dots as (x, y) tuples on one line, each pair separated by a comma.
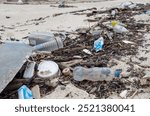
[(29, 71), (48, 69), (120, 29), (127, 5), (123, 94), (61, 3), (51, 45), (98, 44), (114, 12), (37, 38), (87, 51), (113, 23), (95, 74), (147, 75), (25, 93), (128, 42), (147, 12), (13, 55), (36, 92), (66, 72)]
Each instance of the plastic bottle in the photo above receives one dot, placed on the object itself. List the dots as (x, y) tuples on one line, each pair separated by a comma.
[(119, 27), (39, 38), (113, 23), (95, 74), (51, 45), (127, 5)]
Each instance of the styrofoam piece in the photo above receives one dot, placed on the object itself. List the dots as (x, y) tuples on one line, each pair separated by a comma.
[(29, 71)]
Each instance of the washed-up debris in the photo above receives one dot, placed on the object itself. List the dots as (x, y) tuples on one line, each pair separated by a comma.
[(123, 94), (12, 60), (147, 75), (45, 41), (118, 28), (126, 5), (19, 2), (52, 83), (7, 17), (71, 63), (98, 44), (30, 69), (66, 72), (147, 12), (39, 38), (48, 69), (50, 45), (134, 94), (2, 30), (61, 3), (68, 92), (58, 14), (36, 92), (78, 51), (25, 93), (87, 51), (95, 74), (113, 23), (114, 13), (128, 42)]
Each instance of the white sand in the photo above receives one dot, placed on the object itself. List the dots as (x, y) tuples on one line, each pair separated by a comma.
[(21, 13)]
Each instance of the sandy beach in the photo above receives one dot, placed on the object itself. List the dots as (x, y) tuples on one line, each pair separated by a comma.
[(18, 21)]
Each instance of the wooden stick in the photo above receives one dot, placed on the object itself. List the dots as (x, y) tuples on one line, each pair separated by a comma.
[(58, 14)]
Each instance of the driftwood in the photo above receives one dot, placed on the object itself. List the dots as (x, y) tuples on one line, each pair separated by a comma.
[(58, 14), (13, 86), (16, 3), (71, 63)]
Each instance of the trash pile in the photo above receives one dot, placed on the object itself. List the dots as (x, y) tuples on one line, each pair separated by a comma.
[(83, 57)]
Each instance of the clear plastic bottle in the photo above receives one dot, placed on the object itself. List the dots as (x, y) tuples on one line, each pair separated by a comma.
[(39, 38), (120, 29), (51, 45), (95, 74)]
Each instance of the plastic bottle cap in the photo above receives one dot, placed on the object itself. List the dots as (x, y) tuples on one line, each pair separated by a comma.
[(113, 23), (118, 72)]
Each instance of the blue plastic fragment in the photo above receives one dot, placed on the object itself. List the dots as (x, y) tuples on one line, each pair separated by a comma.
[(98, 44), (25, 93)]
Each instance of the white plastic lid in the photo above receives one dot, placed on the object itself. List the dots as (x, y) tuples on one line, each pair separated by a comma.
[(47, 69)]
